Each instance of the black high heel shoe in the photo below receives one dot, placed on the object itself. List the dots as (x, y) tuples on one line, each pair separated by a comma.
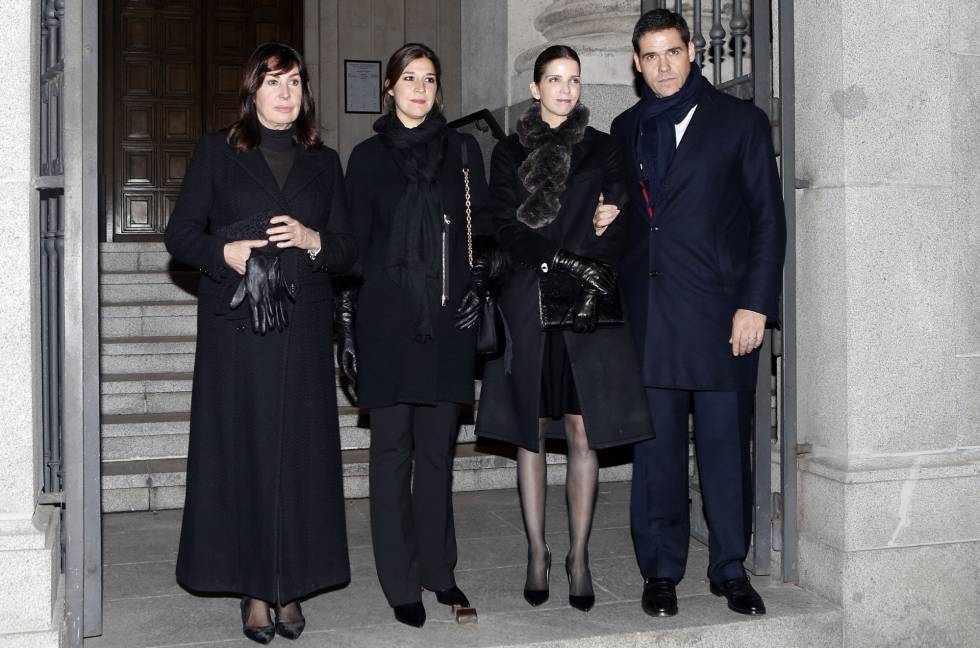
[(583, 602), (454, 597), (290, 629), (537, 597), (262, 634)]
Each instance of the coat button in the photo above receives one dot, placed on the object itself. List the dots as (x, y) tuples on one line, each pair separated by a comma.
[(241, 327), (654, 274)]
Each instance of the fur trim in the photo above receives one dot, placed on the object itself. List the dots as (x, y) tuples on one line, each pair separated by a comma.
[(546, 168)]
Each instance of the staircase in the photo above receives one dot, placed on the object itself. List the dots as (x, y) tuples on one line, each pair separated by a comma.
[(148, 323)]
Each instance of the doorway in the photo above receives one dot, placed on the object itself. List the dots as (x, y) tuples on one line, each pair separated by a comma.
[(170, 74)]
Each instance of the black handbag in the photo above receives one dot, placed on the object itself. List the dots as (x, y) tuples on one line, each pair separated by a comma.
[(490, 334), (557, 293)]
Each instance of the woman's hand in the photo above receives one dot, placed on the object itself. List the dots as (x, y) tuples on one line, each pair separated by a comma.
[(238, 252), (604, 216), (292, 233)]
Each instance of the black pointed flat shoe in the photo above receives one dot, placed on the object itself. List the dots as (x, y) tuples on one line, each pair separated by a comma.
[(538, 597), (659, 597), (741, 596), (291, 629), (412, 614), (262, 634)]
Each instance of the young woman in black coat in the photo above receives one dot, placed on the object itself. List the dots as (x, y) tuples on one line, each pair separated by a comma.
[(414, 368), (263, 214), (583, 384)]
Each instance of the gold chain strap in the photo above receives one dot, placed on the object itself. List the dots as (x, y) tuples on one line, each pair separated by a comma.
[(469, 216)]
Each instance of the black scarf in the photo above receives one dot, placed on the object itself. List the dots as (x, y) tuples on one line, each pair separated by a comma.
[(656, 139), (413, 260), (546, 168)]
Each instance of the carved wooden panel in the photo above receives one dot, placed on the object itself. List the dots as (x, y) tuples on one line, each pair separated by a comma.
[(174, 68)]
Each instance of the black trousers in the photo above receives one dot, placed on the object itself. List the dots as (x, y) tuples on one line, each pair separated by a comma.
[(412, 519), (659, 509)]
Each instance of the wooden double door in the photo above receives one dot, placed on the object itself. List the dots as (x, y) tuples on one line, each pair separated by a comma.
[(172, 71)]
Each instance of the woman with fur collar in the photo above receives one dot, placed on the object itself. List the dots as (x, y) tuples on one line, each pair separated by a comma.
[(582, 385)]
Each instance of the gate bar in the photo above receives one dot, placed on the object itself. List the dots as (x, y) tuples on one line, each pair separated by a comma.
[(83, 514), (788, 455)]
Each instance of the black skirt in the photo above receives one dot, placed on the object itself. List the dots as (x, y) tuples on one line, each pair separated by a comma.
[(558, 393)]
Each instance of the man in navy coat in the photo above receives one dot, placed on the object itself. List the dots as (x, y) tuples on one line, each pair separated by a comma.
[(702, 276)]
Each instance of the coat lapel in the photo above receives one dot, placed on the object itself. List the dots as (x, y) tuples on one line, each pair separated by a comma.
[(700, 122), (255, 165), (306, 167)]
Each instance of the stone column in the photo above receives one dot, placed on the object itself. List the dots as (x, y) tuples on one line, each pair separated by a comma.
[(889, 316)]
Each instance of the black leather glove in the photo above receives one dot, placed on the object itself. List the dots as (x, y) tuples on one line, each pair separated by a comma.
[(585, 314), (468, 312), (345, 309), (261, 284), (590, 272)]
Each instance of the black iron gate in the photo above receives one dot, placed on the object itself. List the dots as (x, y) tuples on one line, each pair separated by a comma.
[(740, 61), (65, 178)]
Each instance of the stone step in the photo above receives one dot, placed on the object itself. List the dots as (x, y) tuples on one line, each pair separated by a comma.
[(164, 392), (164, 435), (133, 319), (155, 354), (136, 257), (129, 287), (155, 484)]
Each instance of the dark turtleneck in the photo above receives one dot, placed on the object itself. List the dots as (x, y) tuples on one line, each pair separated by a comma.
[(279, 151)]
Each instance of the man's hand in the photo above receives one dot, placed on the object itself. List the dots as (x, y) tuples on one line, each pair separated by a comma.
[(238, 252), (748, 329), (604, 216)]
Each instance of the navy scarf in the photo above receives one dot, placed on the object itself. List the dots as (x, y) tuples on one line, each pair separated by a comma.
[(656, 140)]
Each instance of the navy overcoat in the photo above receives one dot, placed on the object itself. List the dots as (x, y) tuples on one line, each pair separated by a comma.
[(715, 244)]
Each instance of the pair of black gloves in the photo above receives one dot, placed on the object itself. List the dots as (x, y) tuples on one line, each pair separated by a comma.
[(266, 288), (596, 278)]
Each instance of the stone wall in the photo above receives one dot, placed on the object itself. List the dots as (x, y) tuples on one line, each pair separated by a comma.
[(28, 537), (336, 30), (889, 334)]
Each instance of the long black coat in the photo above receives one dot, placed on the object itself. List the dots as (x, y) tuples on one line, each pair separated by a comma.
[(264, 514), (716, 244), (604, 363), (393, 367)]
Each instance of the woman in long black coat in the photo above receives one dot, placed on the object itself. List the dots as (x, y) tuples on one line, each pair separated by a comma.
[(264, 514), (414, 367), (546, 181)]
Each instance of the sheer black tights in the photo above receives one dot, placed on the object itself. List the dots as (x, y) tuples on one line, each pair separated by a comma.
[(581, 484), (259, 613)]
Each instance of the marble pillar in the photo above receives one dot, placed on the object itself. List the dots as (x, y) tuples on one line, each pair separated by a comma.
[(888, 230)]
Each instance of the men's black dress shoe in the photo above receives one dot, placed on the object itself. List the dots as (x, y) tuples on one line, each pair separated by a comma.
[(412, 614), (742, 597), (659, 597), (262, 634), (452, 596), (291, 629)]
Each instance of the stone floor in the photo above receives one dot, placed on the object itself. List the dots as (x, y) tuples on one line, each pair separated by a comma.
[(145, 608)]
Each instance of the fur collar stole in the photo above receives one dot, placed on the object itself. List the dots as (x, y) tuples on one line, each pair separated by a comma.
[(546, 167)]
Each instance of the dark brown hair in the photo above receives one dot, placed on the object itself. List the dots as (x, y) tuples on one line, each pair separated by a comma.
[(399, 61), (553, 53), (272, 58), (658, 20)]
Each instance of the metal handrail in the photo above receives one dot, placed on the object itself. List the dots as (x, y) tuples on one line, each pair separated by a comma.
[(485, 116)]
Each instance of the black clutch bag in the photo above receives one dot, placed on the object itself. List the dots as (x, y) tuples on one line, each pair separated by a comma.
[(557, 293), (250, 229)]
